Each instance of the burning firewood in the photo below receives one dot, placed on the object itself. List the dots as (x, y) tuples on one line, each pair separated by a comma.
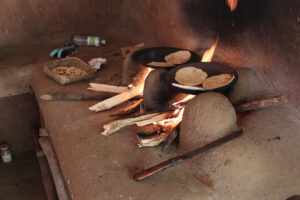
[(156, 119), (164, 129), (167, 121), (128, 107), (152, 140), (181, 99), (135, 90), (116, 125), (162, 124), (232, 4)]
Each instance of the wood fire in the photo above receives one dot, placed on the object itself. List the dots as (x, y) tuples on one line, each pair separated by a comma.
[(232, 4)]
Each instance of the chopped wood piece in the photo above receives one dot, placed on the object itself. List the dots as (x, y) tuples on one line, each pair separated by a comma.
[(155, 119), (181, 99), (116, 125), (261, 103), (152, 141), (167, 120), (149, 129), (128, 107), (167, 126), (136, 90), (172, 122), (98, 87), (195, 88)]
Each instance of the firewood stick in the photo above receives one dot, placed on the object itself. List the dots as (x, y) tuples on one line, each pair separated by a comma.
[(186, 156), (167, 127), (155, 119), (172, 122), (99, 87), (181, 99), (148, 129), (54, 167), (152, 141), (261, 103), (128, 108), (116, 125), (136, 90)]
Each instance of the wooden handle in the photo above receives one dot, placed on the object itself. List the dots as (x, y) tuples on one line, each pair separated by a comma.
[(178, 159), (261, 103)]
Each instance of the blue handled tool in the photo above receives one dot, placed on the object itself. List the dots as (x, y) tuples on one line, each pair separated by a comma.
[(64, 51)]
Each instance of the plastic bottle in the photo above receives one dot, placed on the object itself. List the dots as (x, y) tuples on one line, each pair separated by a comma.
[(88, 40), (6, 154)]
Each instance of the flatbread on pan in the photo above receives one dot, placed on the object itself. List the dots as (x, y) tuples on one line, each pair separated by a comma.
[(190, 76), (160, 64), (218, 81), (178, 57)]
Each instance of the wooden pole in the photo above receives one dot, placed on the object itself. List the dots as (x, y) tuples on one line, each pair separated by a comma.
[(186, 156), (61, 189), (261, 104)]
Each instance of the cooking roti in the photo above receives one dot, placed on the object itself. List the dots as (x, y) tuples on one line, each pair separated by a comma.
[(178, 57), (218, 81), (160, 64), (190, 76)]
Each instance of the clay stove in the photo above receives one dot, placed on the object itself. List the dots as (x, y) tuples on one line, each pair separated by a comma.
[(256, 36)]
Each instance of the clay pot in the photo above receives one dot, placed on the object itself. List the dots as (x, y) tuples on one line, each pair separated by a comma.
[(208, 117), (249, 86), (157, 92)]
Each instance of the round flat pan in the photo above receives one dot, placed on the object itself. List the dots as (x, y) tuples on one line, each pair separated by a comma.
[(157, 54), (211, 69)]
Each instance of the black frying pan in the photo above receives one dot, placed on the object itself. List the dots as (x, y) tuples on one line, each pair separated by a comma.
[(211, 69), (157, 54)]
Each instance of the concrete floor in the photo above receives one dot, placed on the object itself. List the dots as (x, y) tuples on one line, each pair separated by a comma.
[(21, 179)]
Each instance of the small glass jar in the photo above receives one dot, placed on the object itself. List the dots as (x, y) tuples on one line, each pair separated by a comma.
[(5, 152)]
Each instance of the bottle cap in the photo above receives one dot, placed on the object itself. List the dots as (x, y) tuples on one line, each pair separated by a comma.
[(4, 147)]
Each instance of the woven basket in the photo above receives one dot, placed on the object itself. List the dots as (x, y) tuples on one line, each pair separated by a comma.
[(69, 62)]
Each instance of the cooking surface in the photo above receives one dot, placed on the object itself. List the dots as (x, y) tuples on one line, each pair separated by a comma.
[(263, 164)]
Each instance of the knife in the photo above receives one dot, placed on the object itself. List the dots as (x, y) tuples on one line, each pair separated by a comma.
[(66, 96)]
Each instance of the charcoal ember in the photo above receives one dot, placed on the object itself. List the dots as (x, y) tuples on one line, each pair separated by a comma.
[(157, 93), (208, 117), (248, 87)]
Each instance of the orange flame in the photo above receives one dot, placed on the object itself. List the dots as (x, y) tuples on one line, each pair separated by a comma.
[(209, 53), (232, 4)]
